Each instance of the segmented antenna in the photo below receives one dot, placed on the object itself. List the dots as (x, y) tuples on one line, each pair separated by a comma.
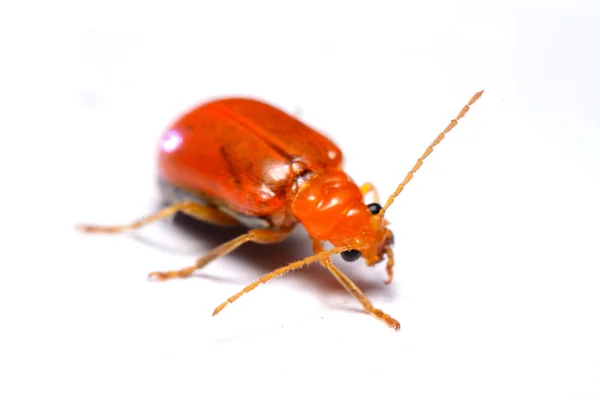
[(428, 151)]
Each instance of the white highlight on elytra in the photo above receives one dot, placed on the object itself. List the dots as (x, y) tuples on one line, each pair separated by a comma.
[(171, 141)]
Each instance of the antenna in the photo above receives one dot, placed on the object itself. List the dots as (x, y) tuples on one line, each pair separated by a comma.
[(428, 151)]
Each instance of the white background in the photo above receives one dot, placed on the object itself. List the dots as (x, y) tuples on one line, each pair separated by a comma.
[(497, 237)]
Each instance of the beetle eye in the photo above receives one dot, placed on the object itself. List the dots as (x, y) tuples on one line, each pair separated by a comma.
[(374, 208), (351, 255)]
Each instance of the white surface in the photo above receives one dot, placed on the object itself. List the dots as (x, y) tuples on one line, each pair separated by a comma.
[(497, 237)]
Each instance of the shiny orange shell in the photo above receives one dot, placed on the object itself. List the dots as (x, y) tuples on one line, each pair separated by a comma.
[(242, 154)]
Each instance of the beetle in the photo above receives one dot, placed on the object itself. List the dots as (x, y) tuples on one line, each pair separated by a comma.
[(240, 161)]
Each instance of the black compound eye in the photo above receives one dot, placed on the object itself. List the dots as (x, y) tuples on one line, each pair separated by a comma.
[(351, 255), (374, 208)]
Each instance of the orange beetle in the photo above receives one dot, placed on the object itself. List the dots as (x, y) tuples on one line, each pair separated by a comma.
[(240, 161)]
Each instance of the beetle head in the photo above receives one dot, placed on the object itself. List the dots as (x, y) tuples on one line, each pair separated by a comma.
[(375, 240)]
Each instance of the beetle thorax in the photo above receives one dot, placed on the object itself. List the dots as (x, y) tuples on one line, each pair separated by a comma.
[(330, 207)]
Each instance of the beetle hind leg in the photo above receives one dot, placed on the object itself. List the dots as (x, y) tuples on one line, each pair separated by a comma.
[(198, 211), (261, 236)]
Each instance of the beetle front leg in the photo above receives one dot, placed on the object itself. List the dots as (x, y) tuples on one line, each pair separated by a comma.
[(389, 268), (370, 188), (354, 290)]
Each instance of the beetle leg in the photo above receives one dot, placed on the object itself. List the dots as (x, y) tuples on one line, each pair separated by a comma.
[(354, 290), (203, 213), (389, 268), (262, 236), (370, 188)]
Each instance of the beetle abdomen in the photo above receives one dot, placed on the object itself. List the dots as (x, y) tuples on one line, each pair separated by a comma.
[(243, 153), (172, 195)]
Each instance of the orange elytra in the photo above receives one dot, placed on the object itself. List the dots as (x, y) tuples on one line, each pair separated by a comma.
[(239, 161)]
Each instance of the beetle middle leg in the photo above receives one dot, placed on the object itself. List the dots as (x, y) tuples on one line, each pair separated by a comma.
[(370, 188), (198, 211), (261, 236), (354, 290)]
